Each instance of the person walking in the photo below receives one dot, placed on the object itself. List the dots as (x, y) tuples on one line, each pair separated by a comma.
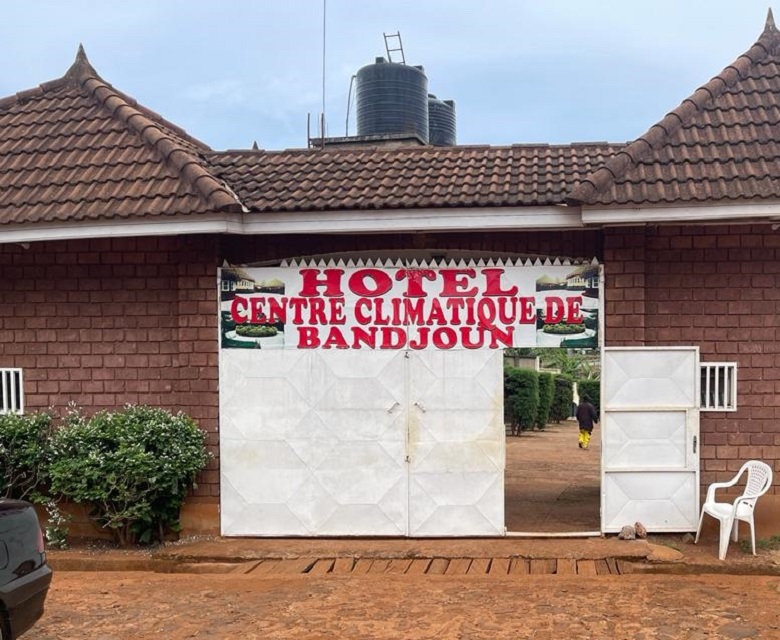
[(587, 417)]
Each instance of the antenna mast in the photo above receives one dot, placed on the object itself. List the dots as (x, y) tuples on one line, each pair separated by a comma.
[(324, 24)]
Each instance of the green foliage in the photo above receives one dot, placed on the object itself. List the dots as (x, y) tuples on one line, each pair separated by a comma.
[(24, 450), (771, 543), (546, 389), (57, 525), (592, 389), (256, 331), (563, 328), (563, 396), (521, 398), (132, 467), (582, 364)]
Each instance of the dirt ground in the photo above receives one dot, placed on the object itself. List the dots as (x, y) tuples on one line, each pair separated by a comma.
[(550, 484), (109, 606)]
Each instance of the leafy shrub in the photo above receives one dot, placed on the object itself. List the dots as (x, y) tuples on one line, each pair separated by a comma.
[(563, 396), (592, 389), (256, 331), (132, 467), (24, 450), (521, 398), (563, 329), (546, 389), (591, 342)]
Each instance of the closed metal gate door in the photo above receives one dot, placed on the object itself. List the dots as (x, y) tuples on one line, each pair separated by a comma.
[(650, 459), (385, 443)]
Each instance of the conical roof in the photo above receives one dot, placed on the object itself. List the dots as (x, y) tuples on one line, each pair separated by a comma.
[(722, 143), (77, 149)]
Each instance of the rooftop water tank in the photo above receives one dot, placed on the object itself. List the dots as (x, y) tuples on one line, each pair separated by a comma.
[(392, 98), (441, 122)]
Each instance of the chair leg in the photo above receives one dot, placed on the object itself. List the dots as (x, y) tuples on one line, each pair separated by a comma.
[(698, 531), (752, 535), (735, 537), (725, 534)]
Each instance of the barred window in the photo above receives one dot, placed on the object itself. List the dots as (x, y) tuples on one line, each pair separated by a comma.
[(719, 386), (11, 391)]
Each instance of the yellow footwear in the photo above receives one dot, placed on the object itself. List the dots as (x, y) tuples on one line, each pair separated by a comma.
[(585, 439)]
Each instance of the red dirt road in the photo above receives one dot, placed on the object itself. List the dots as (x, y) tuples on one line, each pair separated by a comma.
[(109, 606), (551, 485)]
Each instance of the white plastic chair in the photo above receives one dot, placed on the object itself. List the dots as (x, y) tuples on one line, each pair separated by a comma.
[(759, 479)]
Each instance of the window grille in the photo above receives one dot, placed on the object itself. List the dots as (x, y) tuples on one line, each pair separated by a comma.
[(11, 391), (719, 386)]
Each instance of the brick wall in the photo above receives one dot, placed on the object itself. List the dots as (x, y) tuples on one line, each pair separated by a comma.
[(716, 287), (106, 322)]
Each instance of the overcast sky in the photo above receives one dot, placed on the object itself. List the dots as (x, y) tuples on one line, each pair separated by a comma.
[(519, 71)]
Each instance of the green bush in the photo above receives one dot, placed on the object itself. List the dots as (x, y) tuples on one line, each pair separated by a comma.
[(592, 389), (24, 450), (590, 342), (546, 389), (563, 396), (133, 468), (256, 331), (521, 398), (563, 329)]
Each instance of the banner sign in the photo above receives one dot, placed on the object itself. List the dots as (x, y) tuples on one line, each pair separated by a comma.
[(388, 305)]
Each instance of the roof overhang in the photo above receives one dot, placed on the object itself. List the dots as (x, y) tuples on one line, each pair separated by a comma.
[(738, 212), (297, 222)]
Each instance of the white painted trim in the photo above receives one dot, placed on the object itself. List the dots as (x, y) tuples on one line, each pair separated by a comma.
[(359, 221), (210, 223), (700, 213), (399, 220)]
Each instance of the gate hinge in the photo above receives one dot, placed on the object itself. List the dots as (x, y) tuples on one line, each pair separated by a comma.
[(694, 443)]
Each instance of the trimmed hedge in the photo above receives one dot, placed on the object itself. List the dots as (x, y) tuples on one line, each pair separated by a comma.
[(592, 389), (546, 389), (521, 398), (24, 454), (133, 468), (563, 397)]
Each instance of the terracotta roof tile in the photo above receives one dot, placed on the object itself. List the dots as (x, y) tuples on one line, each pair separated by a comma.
[(78, 149), (406, 178), (722, 143)]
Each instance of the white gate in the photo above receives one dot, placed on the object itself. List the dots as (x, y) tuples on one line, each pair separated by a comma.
[(456, 443), (650, 459), (319, 443)]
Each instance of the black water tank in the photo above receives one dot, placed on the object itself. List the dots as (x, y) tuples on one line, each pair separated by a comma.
[(441, 122), (392, 98)]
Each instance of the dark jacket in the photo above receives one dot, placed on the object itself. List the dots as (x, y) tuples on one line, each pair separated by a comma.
[(587, 416)]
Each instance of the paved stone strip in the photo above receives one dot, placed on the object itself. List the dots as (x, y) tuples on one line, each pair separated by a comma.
[(399, 566), (440, 566), (566, 567), (499, 567), (458, 567), (343, 565), (479, 566)]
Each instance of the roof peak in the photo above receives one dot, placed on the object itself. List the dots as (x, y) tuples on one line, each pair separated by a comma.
[(770, 21), (81, 67)]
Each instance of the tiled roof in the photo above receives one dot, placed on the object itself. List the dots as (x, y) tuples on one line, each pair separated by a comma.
[(77, 149), (722, 143), (407, 178)]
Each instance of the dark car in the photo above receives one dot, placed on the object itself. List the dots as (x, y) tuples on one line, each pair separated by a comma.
[(24, 574)]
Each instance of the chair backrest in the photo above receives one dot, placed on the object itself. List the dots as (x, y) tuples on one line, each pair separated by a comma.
[(759, 480)]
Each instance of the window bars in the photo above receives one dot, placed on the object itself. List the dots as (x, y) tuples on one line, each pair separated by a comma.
[(11, 391), (719, 386)]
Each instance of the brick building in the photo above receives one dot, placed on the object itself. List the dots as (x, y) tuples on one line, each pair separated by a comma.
[(114, 223)]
